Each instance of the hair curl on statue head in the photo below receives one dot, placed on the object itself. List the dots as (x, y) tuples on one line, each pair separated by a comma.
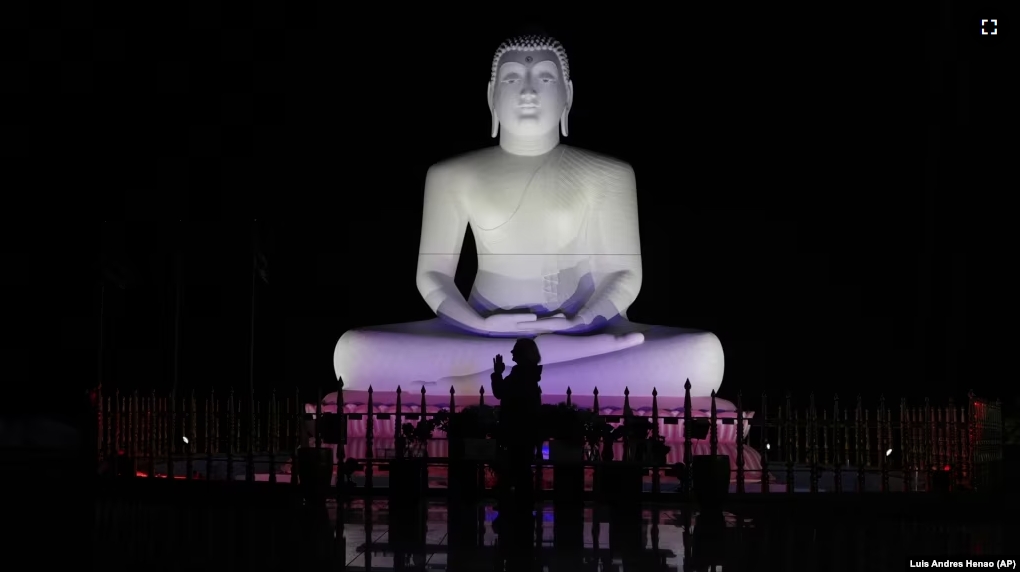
[(532, 43)]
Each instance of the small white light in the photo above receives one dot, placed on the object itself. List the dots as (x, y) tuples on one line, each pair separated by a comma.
[(185, 438), (767, 446), (888, 452)]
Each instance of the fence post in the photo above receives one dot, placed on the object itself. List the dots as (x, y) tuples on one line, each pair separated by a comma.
[(421, 419), (100, 422), (153, 429), (655, 438), (319, 415), (813, 451), (825, 439), (108, 449), (889, 445), (172, 434), (297, 421), (764, 479), (798, 458), (370, 432), (597, 474), (190, 429), (714, 442), (940, 431), (867, 429), (341, 541), (399, 443), (481, 474), (905, 454), (838, 463), (858, 441), (342, 420), (968, 417), (217, 443), (953, 444), (790, 446), (272, 434), (539, 482), (885, 445), (740, 444), (231, 418), (627, 414), (687, 439), (422, 406), (116, 428), (927, 427), (133, 423)]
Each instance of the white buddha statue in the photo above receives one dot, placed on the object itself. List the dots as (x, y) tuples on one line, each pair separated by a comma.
[(559, 259)]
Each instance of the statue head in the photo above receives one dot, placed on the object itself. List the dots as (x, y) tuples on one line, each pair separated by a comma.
[(530, 89), (526, 352)]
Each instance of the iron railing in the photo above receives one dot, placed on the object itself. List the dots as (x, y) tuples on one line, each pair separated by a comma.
[(180, 436)]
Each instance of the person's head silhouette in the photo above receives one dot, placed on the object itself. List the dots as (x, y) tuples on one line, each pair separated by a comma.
[(526, 352)]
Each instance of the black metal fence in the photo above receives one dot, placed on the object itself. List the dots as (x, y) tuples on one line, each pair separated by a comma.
[(921, 446)]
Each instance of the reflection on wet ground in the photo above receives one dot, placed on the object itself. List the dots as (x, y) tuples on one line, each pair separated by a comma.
[(147, 524), (654, 539)]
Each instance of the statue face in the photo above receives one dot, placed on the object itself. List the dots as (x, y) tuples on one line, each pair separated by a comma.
[(529, 94)]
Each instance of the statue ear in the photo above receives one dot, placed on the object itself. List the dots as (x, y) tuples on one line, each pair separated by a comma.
[(495, 129), (567, 108)]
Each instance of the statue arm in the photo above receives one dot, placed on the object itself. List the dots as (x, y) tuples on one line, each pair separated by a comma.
[(443, 226), (617, 261)]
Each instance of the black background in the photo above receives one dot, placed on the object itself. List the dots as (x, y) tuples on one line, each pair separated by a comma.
[(825, 190)]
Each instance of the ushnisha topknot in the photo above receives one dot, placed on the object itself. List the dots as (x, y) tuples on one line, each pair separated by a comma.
[(532, 43)]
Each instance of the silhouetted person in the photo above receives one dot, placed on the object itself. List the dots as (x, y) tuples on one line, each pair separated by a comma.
[(520, 398)]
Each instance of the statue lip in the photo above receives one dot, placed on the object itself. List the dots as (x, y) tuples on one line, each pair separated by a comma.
[(528, 106)]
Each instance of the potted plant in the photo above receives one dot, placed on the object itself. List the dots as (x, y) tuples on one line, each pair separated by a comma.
[(470, 441), (658, 451), (600, 435), (596, 430), (408, 471), (636, 430), (621, 482)]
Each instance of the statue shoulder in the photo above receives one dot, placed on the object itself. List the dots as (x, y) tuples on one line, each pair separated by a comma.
[(460, 168), (602, 170)]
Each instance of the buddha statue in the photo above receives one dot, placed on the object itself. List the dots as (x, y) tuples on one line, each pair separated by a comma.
[(559, 260)]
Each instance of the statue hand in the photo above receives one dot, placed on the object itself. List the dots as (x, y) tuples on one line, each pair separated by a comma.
[(498, 365), (507, 323), (556, 323)]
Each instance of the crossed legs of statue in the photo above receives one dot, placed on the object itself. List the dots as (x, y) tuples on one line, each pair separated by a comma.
[(437, 355)]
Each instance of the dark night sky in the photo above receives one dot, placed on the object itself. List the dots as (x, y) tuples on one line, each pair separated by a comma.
[(820, 190)]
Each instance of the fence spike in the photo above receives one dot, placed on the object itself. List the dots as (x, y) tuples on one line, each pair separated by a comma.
[(740, 444)]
